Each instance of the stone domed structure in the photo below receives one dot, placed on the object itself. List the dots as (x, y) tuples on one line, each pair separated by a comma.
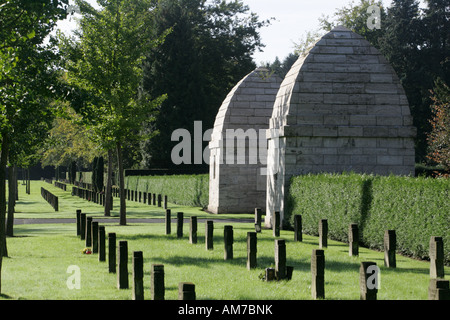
[(238, 146), (340, 108)]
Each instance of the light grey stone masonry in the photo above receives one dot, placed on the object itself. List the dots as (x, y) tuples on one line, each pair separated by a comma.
[(237, 183), (340, 108)]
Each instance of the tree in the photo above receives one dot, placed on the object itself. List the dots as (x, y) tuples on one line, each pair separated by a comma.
[(208, 51), (97, 178), (72, 172), (439, 137), (355, 17), (27, 80), (282, 68), (94, 173), (68, 141), (104, 67)]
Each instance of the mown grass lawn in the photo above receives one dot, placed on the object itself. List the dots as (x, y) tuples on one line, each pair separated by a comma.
[(40, 254)]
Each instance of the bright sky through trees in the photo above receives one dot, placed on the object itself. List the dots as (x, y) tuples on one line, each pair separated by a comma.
[(293, 18)]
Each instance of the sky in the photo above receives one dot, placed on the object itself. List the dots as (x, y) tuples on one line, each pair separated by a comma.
[(293, 18)]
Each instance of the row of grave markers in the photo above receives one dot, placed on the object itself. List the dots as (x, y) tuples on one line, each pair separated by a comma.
[(438, 288), (143, 197), (50, 198), (94, 236)]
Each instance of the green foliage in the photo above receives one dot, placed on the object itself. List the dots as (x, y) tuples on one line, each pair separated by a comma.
[(188, 190), (104, 69), (281, 68), (417, 208), (68, 141), (439, 137), (207, 52)]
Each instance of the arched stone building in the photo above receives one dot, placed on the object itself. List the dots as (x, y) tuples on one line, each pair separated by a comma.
[(340, 108), (238, 164)]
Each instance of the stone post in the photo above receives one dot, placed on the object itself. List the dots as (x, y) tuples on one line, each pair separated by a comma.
[(168, 222), (180, 220), (186, 291), (438, 289), (436, 257), (280, 259), (138, 275), (83, 226), (368, 291), (122, 265), (193, 230), (276, 224), (209, 232), (88, 231), (228, 242), (318, 274), (101, 244), (78, 215), (270, 274), (258, 216), (157, 282), (390, 245), (94, 236), (353, 239), (251, 250), (112, 252), (298, 228), (323, 233)]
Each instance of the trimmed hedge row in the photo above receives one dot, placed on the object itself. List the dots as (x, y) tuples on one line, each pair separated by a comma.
[(417, 208), (188, 190)]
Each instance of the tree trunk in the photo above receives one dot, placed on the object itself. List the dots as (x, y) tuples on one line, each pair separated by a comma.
[(16, 183), (28, 186), (3, 161), (11, 201), (123, 204), (108, 192)]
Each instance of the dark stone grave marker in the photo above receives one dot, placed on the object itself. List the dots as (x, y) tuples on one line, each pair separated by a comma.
[(209, 233), (193, 230), (390, 245), (186, 291), (368, 289), (138, 275), (228, 242), (157, 282), (318, 274), (251, 250), (323, 233), (353, 239), (436, 257), (122, 265)]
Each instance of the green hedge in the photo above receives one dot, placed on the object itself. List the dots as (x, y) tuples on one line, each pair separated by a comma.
[(417, 208), (188, 190)]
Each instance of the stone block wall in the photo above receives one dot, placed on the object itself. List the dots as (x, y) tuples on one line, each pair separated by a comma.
[(237, 165), (340, 108)]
